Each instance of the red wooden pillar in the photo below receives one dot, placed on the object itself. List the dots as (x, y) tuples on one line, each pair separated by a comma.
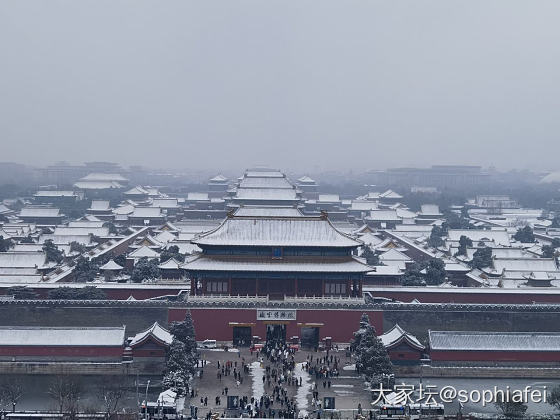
[(348, 287), (295, 287)]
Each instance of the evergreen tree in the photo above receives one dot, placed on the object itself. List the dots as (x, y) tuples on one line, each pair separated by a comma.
[(84, 293), (145, 269), (171, 252), (364, 323), (5, 244), (525, 235), (370, 256), (21, 292), (548, 251), (53, 253), (84, 270), (413, 276), (482, 258), (464, 243), (435, 240), (77, 247), (435, 272), (182, 356), (511, 409), (372, 358), (554, 397)]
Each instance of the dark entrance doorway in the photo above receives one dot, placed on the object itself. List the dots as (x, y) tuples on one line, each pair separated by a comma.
[(310, 337), (275, 333), (242, 336)]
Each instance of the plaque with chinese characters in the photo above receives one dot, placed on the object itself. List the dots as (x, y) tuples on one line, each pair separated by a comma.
[(276, 314)]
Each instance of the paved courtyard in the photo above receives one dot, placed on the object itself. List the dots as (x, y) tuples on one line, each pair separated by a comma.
[(347, 388)]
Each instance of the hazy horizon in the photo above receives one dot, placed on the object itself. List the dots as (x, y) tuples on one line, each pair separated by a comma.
[(303, 86)]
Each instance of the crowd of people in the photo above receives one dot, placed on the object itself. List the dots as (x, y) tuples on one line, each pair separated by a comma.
[(281, 378)]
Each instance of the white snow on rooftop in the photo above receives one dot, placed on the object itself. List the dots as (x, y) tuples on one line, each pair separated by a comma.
[(284, 265), (488, 341), (62, 336), (268, 212), (298, 231), (281, 194)]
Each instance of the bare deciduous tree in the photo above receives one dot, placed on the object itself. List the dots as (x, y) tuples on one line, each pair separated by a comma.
[(12, 391), (111, 392), (66, 392)]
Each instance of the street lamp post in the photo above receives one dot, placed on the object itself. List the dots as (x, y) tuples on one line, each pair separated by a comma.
[(146, 398)]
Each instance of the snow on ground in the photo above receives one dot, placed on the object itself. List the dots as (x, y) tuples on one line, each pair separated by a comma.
[(349, 367), (219, 349), (302, 391), (257, 373)]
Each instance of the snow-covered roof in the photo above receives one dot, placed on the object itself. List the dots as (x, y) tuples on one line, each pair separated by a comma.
[(525, 264), (197, 196), (328, 198), (363, 205), (126, 209), (265, 182), (306, 180), (295, 231), (203, 263), (55, 194), (385, 270), (22, 259), (65, 239), (394, 255), (500, 237), (279, 194), (138, 190), (219, 178), (62, 336), (81, 231), (166, 203), (144, 251), (429, 210), (383, 215), (397, 335), (494, 341), (165, 237), (170, 264), (98, 176), (39, 212), (97, 185), (100, 205), (185, 247), (268, 211), (111, 266), (263, 173), (390, 194), (86, 223), (156, 331), (146, 212)]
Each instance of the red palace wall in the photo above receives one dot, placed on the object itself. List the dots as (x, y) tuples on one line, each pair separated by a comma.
[(215, 323), (61, 351), (495, 356)]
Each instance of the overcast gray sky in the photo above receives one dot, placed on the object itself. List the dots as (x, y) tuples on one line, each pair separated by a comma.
[(296, 84)]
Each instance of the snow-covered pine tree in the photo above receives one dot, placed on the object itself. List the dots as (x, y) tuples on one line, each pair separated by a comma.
[(372, 358), (182, 356), (364, 322)]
